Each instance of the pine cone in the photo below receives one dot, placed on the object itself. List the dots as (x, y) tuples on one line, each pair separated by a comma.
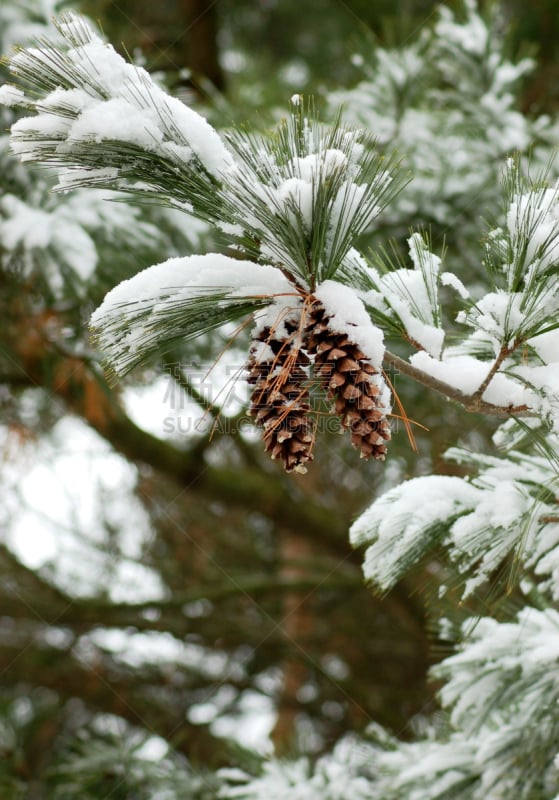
[(280, 396), (352, 382)]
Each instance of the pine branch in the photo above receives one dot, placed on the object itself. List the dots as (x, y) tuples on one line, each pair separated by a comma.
[(503, 354), (181, 298), (472, 403), (105, 123)]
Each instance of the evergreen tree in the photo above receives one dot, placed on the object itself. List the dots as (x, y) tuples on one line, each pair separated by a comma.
[(290, 207)]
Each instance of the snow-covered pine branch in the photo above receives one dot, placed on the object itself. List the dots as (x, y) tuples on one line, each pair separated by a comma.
[(344, 773), (296, 200), (65, 240), (182, 298), (500, 737), (502, 697), (449, 103), (407, 300), (509, 508), (300, 197), (508, 364), (103, 122)]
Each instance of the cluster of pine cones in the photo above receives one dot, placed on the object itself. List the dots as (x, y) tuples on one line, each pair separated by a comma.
[(278, 371)]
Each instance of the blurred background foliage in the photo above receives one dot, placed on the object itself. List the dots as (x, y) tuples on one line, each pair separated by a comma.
[(269, 47), (170, 596)]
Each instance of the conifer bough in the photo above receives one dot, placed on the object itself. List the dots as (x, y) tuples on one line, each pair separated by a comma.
[(288, 206)]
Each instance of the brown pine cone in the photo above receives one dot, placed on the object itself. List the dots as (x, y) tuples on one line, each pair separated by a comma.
[(351, 381), (280, 396)]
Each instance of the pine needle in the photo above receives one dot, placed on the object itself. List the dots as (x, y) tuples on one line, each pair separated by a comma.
[(403, 415)]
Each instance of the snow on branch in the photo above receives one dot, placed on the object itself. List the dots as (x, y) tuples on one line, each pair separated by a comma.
[(104, 122), (344, 773), (180, 299), (301, 196), (509, 508), (502, 691), (500, 664), (407, 522), (508, 364), (501, 735), (522, 257), (429, 770), (409, 298)]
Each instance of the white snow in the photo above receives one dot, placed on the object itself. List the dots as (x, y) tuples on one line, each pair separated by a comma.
[(396, 527), (117, 119), (452, 280), (120, 101), (499, 314), (471, 35), (11, 95), (464, 373), (46, 126), (156, 294), (411, 295), (324, 163), (405, 292), (178, 276), (546, 346), (505, 392), (285, 308), (300, 194), (348, 315), (527, 649), (535, 217), (338, 775)]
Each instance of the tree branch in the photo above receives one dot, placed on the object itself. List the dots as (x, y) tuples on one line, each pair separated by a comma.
[(503, 353), (153, 704), (472, 403)]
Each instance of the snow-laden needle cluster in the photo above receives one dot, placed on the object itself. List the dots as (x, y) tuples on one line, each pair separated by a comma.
[(501, 690), (290, 205), (508, 509)]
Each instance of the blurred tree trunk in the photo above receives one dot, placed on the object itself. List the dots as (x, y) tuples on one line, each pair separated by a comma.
[(199, 42), (175, 36), (537, 23), (296, 626)]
